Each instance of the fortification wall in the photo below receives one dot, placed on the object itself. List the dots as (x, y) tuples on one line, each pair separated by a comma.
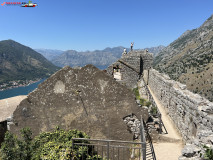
[(191, 113), (131, 66), (140, 60), (129, 77)]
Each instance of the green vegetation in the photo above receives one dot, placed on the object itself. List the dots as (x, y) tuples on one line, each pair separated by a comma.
[(154, 110), (48, 145), (148, 103), (143, 101), (136, 92), (13, 148), (208, 154)]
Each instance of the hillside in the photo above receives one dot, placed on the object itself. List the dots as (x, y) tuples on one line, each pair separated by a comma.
[(189, 59), (18, 62), (100, 58)]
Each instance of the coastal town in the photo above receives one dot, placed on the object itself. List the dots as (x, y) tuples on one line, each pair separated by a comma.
[(18, 83)]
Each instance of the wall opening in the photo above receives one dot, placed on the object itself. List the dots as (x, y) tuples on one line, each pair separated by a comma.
[(161, 94), (193, 129), (117, 72), (141, 66), (183, 115)]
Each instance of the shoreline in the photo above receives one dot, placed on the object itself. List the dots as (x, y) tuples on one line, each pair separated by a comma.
[(18, 83)]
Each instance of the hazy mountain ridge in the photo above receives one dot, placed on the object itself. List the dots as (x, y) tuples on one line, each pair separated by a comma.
[(189, 59), (155, 50), (18, 62), (49, 54), (99, 58)]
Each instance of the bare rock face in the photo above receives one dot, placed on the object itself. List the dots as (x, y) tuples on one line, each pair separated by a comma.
[(86, 99), (189, 59)]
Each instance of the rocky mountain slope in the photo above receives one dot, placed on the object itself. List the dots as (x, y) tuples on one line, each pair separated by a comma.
[(18, 62), (155, 50), (49, 54), (189, 59), (100, 58)]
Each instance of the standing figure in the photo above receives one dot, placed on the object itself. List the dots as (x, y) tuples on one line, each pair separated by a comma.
[(124, 53), (124, 50), (132, 46)]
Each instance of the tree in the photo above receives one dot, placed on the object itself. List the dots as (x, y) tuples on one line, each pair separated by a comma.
[(53, 145), (9, 147)]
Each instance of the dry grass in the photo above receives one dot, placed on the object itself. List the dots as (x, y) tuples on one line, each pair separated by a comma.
[(199, 81), (179, 55)]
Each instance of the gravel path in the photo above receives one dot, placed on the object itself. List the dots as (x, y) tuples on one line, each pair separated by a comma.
[(167, 150)]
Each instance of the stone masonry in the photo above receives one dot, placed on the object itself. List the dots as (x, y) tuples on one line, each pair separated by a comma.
[(191, 113), (131, 67)]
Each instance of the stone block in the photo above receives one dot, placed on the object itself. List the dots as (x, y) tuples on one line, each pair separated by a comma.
[(190, 150)]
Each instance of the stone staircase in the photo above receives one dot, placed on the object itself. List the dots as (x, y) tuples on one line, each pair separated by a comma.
[(149, 152)]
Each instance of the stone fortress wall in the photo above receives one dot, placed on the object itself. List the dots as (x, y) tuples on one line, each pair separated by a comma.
[(191, 113)]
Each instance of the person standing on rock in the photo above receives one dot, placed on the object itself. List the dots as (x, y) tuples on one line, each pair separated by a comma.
[(124, 53), (132, 46)]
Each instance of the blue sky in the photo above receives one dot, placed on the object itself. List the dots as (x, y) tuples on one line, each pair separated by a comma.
[(96, 24)]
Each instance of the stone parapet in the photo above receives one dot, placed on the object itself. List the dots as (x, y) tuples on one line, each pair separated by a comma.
[(191, 113)]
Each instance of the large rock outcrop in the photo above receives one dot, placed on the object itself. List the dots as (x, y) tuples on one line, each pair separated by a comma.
[(86, 99)]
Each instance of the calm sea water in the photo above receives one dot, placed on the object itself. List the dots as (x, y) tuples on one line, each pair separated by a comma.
[(19, 91)]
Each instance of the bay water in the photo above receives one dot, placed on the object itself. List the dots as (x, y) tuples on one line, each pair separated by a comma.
[(20, 90)]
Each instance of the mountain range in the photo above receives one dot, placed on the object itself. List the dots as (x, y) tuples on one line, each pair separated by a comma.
[(100, 58), (18, 62), (189, 59)]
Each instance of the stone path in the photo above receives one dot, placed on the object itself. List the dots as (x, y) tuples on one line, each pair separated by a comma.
[(8, 106), (167, 150)]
